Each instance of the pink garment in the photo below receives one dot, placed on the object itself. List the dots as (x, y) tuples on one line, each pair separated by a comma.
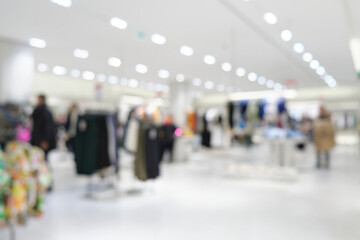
[(23, 134)]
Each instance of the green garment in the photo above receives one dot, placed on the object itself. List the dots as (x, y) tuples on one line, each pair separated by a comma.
[(140, 157), (86, 142)]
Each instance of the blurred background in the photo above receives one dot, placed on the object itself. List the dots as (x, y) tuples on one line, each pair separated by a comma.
[(163, 119)]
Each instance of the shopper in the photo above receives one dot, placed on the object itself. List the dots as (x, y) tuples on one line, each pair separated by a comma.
[(44, 128), (71, 126), (167, 137), (324, 137)]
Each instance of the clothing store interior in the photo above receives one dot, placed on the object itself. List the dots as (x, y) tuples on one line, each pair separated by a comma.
[(192, 119)]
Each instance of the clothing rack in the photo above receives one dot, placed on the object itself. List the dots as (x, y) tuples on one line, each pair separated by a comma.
[(103, 159)]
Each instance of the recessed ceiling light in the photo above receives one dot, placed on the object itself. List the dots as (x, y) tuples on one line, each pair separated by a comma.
[(113, 79), (209, 59), (220, 87), (159, 87), (270, 18), (187, 51), (241, 72), (114, 62), (141, 68), (101, 77), (314, 64), (261, 80), (42, 67), (118, 23), (87, 75), (299, 48), (226, 67), (166, 88), (286, 35), (320, 71), (163, 74), (330, 80), (81, 53), (63, 3), (307, 57), (133, 83), (252, 76), (180, 77), (59, 70), (197, 82), (209, 85), (278, 87), (151, 86), (75, 73), (36, 42), (270, 83), (123, 81), (158, 39)]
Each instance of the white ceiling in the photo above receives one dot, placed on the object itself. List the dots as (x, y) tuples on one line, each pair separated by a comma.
[(206, 25)]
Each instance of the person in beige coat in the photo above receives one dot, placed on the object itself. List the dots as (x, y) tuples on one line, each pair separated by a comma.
[(324, 137)]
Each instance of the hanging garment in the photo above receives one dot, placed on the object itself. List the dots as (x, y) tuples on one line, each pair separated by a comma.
[(230, 109), (140, 156), (86, 145), (152, 153), (112, 141), (131, 138), (103, 146)]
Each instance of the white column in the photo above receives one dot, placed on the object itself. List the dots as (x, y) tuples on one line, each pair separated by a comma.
[(16, 71), (180, 102)]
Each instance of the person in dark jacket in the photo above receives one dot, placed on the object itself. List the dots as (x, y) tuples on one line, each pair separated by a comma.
[(44, 129), (167, 137)]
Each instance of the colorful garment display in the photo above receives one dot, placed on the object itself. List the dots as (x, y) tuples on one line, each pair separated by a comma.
[(24, 179)]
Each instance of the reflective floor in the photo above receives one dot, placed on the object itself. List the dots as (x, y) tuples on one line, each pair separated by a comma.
[(201, 200)]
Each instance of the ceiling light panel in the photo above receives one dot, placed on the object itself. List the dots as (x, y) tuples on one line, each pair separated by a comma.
[(37, 42), (209, 59), (286, 35), (209, 85), (270, 18), (226, 67), (141, 68), (299, 48), (187, 51), (75, 73), (180, 77), (252, 76), (42, 67), (197, 82), (81, 53), (158, 39), (133, 83), (113, 79), (87, 75), (114, 62), (118, 23), (241, 72), (163, 74), (101, 77), (307, 57), (63, 3), (59, 70)]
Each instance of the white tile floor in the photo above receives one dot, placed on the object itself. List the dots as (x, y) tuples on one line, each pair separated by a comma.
[(199, 200)]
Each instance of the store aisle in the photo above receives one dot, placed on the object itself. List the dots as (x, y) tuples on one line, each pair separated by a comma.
[(198, 200)]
